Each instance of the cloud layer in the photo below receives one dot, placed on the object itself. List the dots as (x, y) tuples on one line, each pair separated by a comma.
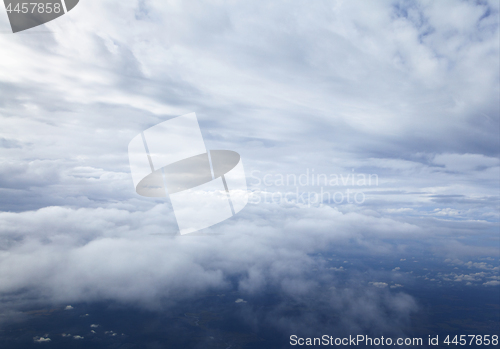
[(408, 92)]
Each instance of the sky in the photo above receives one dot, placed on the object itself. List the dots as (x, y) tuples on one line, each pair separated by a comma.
[(407, 92)]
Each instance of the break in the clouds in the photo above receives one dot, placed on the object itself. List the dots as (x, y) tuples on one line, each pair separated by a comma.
[(405, 91)]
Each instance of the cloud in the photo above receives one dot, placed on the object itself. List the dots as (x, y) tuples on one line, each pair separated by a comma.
[(387, 91), (7, 143), (465, 162), (406, 91), (492, 283), (79, 255), (41, 339), (362, 311), (469, 277), (132, 264)]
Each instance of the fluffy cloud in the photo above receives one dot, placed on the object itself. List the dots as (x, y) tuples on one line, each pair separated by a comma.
[(492, 283), (41, 339)]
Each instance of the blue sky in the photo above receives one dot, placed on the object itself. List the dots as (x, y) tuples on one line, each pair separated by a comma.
[(408, 92)]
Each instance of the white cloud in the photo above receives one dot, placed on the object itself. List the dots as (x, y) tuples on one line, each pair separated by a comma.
[(470, 277), (41, 339), (492, 283)]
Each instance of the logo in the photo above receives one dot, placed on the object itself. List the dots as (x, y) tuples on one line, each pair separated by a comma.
[(205, 186), (28, 14)]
